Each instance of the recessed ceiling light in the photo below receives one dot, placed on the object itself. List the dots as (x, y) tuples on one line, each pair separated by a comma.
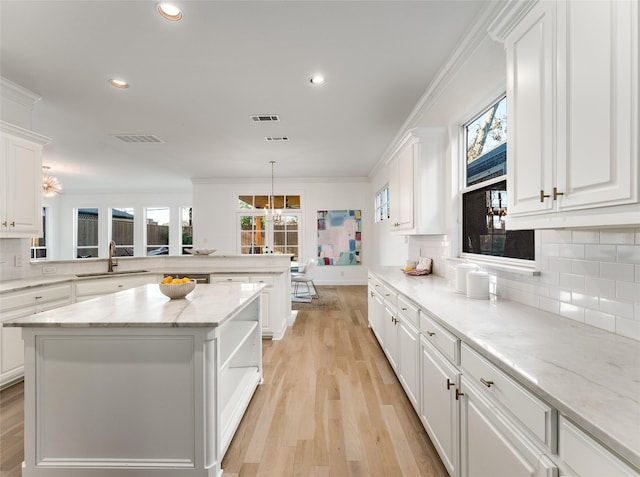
[(317, 80), (170, 12), (119, 83)]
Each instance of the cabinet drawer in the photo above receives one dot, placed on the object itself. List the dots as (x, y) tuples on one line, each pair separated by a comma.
[(229, 278), (408, 310), (389, 296), (102, 286), (35, 296), (586, 457), (445, 341), (267, 280), (535, 415)]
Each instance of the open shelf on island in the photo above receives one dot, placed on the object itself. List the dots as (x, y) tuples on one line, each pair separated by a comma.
[(234, 335)]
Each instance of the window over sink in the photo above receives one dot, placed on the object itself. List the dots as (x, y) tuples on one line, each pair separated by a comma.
[(484, 190)]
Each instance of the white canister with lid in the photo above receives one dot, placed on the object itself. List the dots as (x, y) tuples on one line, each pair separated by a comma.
[(478, 285), (461, 276)]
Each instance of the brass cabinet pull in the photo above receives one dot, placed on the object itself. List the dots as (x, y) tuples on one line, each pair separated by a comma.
[(403, 309), (486, 383), (556, 193), (450, 383), (431, 333), (543, 196), (458, 394)]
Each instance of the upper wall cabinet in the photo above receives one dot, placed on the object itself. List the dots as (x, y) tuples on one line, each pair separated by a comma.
[(21, 181), (416, 183), (572, 95)]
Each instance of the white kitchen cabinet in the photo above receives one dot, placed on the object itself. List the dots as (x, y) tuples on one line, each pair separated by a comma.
[(94, 287), (375, 309), (416, 183), (17, 305), (439, 409), (408, 359), (492, 445), (20, 181), (390, 336), (585, 457), (572, 97), (274, 316)]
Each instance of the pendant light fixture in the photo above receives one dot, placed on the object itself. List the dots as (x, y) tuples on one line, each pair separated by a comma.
[(270, 212), (50, 185)]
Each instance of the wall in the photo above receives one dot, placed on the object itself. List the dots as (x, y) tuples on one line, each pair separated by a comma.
[(216, 217)]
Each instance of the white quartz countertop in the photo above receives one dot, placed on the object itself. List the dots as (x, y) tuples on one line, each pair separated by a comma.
[(209, 305), (589, 375)]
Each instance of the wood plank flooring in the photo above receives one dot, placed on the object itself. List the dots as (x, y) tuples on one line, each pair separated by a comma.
[(330, 405)]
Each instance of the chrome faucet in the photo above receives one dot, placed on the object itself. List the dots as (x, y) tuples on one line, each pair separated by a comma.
[(112, 263)]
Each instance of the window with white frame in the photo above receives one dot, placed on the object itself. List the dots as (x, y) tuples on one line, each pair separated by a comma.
[(38, 245), (382, 211), (484, 192), (87, 229), (157, 230), (186, 229), (254, 227), (122, 230)]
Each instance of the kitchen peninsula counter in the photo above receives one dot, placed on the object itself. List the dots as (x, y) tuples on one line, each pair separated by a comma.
[(587, 374), (134, 384)]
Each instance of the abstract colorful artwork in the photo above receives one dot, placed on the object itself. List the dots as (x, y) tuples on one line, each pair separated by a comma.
[(339, 237)]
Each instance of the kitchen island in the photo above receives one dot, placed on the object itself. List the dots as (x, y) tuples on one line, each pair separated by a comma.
[(134, 384)]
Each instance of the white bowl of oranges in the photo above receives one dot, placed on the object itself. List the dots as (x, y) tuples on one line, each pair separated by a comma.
[(176, 287)]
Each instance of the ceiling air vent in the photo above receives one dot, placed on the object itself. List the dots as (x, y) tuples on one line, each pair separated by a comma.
[(277, 138), (264, 118), (137, 138)]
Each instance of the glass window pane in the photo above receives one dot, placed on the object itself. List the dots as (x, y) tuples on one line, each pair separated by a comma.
[(292, 202), (486, 138), (484, 211), (246, 222), (261, 201), (38, 245), (245, 202), (87, 228), (278, 201), (186, 229), (122, 220), (157, 230)]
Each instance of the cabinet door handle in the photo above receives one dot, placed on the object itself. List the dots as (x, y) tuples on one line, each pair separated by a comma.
[(431, 333), (543, 196), (486, 383), (38, 298), (458, 394), (556, 193), (4, 224), (13, 224), (403, 309), (449, 384)]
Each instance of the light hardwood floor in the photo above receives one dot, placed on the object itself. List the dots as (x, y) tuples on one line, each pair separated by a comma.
[(330, 405)]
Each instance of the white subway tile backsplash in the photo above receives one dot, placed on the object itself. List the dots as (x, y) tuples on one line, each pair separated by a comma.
[(572, 311), (560, 294), (550, 249), (555, 236), (617, 307), (628, 291), (629, 253), (637, 273), (550, 305), (600, 320), (600, 287), (617, 271), (601, 253), (570, 250), (562, 265), (586, 301), (572, 282), (585, 236), (617, 236), (586, 268), (628, 328)]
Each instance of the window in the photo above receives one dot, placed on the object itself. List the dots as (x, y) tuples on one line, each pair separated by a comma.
[(382, 204), (484, 196), (186, 228), (256, 234), (38, 245), (87, 233), (122, 230), (157, 230)]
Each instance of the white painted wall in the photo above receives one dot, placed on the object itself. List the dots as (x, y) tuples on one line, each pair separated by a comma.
[(215, 217)]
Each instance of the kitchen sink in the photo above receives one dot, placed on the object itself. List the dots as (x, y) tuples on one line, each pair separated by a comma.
[(108, 274)]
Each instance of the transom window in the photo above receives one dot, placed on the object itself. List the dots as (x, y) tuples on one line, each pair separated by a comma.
[(484, 197)]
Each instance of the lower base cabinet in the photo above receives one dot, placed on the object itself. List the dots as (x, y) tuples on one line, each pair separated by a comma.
[(491, 445), (439, 409)]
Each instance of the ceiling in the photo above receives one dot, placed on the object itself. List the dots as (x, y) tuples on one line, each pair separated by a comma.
[(195, 83)]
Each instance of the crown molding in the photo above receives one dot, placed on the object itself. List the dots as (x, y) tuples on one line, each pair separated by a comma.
[(15, 92), (508, 18), (23, 133), (280, 180)]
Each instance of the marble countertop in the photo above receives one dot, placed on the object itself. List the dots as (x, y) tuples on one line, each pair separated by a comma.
[(209, 305), (589, 375)]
